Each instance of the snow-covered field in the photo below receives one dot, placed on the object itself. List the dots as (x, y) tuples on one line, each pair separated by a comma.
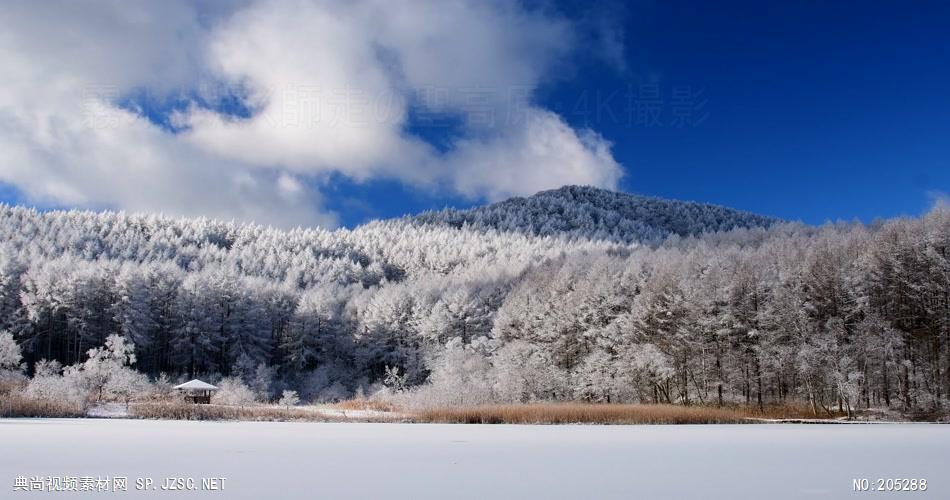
[(315, 460)]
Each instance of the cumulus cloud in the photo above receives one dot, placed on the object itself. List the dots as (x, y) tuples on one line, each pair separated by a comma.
[(328, 87), (502, 165)]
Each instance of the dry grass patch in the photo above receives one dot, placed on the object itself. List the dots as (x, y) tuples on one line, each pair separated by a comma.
[(365, 404), (11, 384), (16, 405), (579, 413), (788, 411), (187, 411)]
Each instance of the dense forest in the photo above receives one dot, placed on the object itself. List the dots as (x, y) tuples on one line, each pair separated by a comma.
[(591, 213), (460, 307)]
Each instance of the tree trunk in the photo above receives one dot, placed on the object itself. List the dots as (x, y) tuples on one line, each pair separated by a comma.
[(885, 390), (758, 374)]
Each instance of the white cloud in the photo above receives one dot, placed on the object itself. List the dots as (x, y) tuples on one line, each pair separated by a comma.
[(330, 84), (527, 158)]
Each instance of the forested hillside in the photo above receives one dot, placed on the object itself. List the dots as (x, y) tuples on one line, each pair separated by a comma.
[(842, 314), (592, 213)]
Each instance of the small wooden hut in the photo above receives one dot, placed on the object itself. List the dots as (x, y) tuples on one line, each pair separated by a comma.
[(196, 391)]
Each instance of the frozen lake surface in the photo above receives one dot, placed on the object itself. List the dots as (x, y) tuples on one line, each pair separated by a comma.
[(264, 460)]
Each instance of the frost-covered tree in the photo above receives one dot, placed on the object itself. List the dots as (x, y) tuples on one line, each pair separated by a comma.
[(11, 356), (288, 399), (262, 383), (105, 363), (460, 377), (11, 366), (232, 391), (50, 381), (125, 384)]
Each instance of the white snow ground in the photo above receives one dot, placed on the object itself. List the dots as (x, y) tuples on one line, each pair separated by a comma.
[(328, 461)]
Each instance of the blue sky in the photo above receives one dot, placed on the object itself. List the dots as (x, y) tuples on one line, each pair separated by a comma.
[(816, 110), (805, 110)]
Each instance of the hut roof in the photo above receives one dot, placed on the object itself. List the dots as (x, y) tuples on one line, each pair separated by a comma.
[(196, 385)]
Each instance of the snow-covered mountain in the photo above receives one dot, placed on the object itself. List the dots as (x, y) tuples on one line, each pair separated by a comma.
[(593, 213), (491, 312)]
